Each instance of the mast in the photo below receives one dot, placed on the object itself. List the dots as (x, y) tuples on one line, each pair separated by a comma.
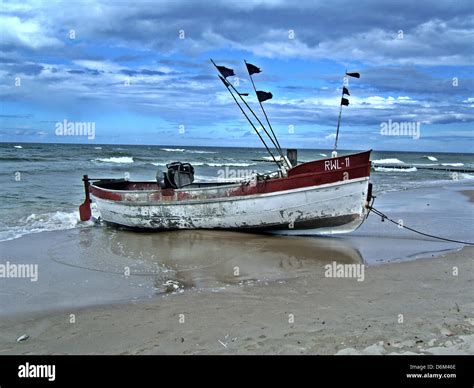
[(227, 84), (344, 102), (261, 106), (338, 123), (225, 72)]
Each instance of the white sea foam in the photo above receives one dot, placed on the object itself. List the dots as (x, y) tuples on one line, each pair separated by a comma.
[(97, 148), (37, 223), (18, 146), (386, 169), (119, 159), (173, 149), (388, 161), (323, 154), (200, 152), (432, 158), (452, 164)]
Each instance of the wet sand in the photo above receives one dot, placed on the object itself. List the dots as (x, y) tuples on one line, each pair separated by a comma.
[(109, 291), (311, 314)]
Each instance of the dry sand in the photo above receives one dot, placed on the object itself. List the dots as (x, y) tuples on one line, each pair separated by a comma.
[(310, 314)]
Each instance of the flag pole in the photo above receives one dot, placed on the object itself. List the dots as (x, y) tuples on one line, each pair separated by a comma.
[(250, 109), (344, 91), (263, 110), (338, 123), (227, 83)]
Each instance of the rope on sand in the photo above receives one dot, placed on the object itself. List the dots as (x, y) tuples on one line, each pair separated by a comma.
[(385, 217)]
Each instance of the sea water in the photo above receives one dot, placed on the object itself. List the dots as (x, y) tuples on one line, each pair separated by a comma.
[(41, 183)]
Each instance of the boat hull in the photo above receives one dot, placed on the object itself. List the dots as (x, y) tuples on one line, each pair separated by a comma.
[(326, 209), (320, 197)]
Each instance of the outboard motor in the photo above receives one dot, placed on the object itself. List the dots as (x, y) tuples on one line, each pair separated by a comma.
[(178, 175)]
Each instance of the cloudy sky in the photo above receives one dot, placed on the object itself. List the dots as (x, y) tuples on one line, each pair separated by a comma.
[(140, 71)]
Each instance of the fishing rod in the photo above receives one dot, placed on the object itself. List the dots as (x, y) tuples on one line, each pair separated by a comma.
[(260, 102), (250, 109), (227, 84)]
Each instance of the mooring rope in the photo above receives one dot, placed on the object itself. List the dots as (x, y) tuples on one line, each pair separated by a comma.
[(400, 225)]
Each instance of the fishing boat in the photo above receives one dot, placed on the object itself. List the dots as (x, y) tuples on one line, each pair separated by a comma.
[(325, 196)]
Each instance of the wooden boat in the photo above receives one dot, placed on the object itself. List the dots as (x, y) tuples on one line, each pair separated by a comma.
[(327, 196)]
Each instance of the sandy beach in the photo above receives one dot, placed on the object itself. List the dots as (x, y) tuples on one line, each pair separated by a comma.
[(330, 316), (102, 290)]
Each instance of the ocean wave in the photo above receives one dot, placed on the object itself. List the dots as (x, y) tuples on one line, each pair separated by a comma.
[(200, 152), (119, 159), (188, 151), (97, 148), (322, 155), (18, 146), (46, 222), (388, 161), (173, 149), (429, 157), (452, 164), (386, 169)]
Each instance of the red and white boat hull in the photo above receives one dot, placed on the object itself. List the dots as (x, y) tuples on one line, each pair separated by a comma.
[(320, 197)]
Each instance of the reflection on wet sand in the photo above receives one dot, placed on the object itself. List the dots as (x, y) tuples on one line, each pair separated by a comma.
[(100, 265), (208, 259)]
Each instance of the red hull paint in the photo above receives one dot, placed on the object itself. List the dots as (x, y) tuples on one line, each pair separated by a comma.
[(308, 174)]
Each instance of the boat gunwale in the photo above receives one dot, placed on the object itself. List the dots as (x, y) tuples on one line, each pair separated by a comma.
[(183, 189)]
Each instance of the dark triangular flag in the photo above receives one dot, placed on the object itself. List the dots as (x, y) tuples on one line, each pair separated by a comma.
[(355, 75), (344, 101), (345, 91), (252, 69), (263, 96), (226, 72)]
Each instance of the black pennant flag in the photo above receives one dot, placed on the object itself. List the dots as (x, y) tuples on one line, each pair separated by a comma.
[(226, 72), (345, 91), (344, 101), (355, 75), (252, 69), (263, 96)]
